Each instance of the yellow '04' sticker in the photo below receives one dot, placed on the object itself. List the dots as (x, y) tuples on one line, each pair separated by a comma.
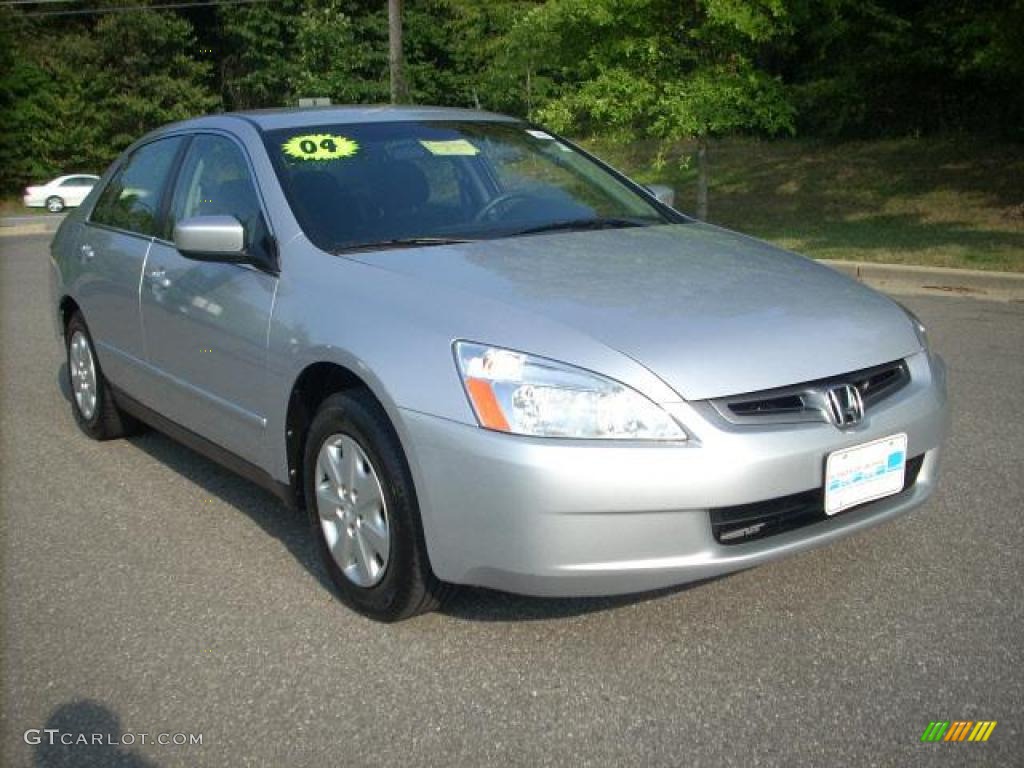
[(319, 146)]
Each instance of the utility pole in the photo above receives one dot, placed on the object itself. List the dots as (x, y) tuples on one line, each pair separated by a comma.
[(395, 51), (703, 174)]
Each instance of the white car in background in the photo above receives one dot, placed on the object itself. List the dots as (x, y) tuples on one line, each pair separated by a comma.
[(63, 192)]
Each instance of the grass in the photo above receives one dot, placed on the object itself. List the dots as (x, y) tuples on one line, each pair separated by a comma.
[(933, 202), (12, 206)]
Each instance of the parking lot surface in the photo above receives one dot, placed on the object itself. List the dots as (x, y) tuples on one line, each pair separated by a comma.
[(148, 591)]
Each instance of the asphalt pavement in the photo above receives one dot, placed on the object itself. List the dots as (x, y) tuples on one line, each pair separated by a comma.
[(148, 591), (52, 220)]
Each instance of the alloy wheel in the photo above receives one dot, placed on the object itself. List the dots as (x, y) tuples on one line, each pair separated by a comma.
[(83, 374), (352, 509)]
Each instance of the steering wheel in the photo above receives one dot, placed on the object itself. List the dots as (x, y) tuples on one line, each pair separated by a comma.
[(500, 200)]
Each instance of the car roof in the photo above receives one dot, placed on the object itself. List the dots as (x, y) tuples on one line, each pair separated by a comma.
[(72, 176), (272, 119)]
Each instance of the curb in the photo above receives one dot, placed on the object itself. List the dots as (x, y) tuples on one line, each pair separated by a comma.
[(935, 281), (892, 278)]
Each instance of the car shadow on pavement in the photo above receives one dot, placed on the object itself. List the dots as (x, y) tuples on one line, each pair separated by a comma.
[(62, 381), (292, 529), (81, 734), (289, 526), (486, 605)]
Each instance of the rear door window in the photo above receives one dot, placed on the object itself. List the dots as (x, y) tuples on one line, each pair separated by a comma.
[(131, 200)]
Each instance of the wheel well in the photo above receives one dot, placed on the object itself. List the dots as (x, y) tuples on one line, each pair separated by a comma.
[(68, 307), (314, 385)]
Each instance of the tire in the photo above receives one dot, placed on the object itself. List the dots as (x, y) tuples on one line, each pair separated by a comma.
[(92, 402), (54, 204), (352, 448)]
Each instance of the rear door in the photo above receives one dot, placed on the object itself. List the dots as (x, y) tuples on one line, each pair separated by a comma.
[(206, 322), (110, 255)]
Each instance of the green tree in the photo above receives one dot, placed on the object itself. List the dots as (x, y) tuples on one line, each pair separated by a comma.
[(75, 93), (145, 71), (340, 53), (631, 68), (457, 51), (871, 68), (275, 53), (43, 98), (257, 48), (657, 68)]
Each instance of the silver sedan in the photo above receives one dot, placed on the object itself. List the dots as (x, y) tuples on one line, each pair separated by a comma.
[(475, 354)]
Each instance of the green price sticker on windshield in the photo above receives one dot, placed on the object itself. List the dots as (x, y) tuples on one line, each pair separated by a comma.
[(319, 146)]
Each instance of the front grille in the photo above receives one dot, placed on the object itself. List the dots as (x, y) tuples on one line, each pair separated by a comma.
[(748, 522), (765, 406), (808, 402), (879, 383)]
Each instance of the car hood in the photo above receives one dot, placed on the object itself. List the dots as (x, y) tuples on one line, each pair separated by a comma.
[(709, 311)]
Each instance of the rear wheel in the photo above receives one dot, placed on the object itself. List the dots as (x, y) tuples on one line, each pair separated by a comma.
[(92, 402), (363, 510), (54, 204)]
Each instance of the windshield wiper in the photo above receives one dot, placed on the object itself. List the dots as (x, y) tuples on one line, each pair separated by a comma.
[(583, 224), (402, 242)]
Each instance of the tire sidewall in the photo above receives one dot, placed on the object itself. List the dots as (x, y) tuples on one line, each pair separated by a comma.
[(343, 414), (91, 427)]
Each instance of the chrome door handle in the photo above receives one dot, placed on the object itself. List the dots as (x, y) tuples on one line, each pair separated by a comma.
[(158, 278), (86, 252)]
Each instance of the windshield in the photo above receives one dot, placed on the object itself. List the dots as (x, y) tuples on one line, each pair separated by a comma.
[(379, 184)]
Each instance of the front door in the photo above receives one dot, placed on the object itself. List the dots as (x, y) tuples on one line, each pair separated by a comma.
[(206, 323)]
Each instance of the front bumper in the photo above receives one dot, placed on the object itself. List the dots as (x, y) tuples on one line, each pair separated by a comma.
[(570, 517)]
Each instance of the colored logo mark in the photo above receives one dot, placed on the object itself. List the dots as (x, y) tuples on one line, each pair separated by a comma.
[(958, 730)]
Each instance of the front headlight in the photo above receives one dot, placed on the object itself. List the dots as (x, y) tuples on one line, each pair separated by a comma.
[(527, 395)]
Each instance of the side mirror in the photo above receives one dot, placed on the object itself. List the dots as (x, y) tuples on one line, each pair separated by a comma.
[(663, 193), (211, 238)]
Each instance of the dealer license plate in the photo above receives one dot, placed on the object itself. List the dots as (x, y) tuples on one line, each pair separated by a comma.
[(864, 473)]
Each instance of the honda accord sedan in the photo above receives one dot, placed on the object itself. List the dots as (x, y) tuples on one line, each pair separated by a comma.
[(63, 192), (475, 354)]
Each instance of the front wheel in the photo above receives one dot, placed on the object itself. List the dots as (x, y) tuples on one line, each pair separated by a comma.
[(363, 510), (54, 204)]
